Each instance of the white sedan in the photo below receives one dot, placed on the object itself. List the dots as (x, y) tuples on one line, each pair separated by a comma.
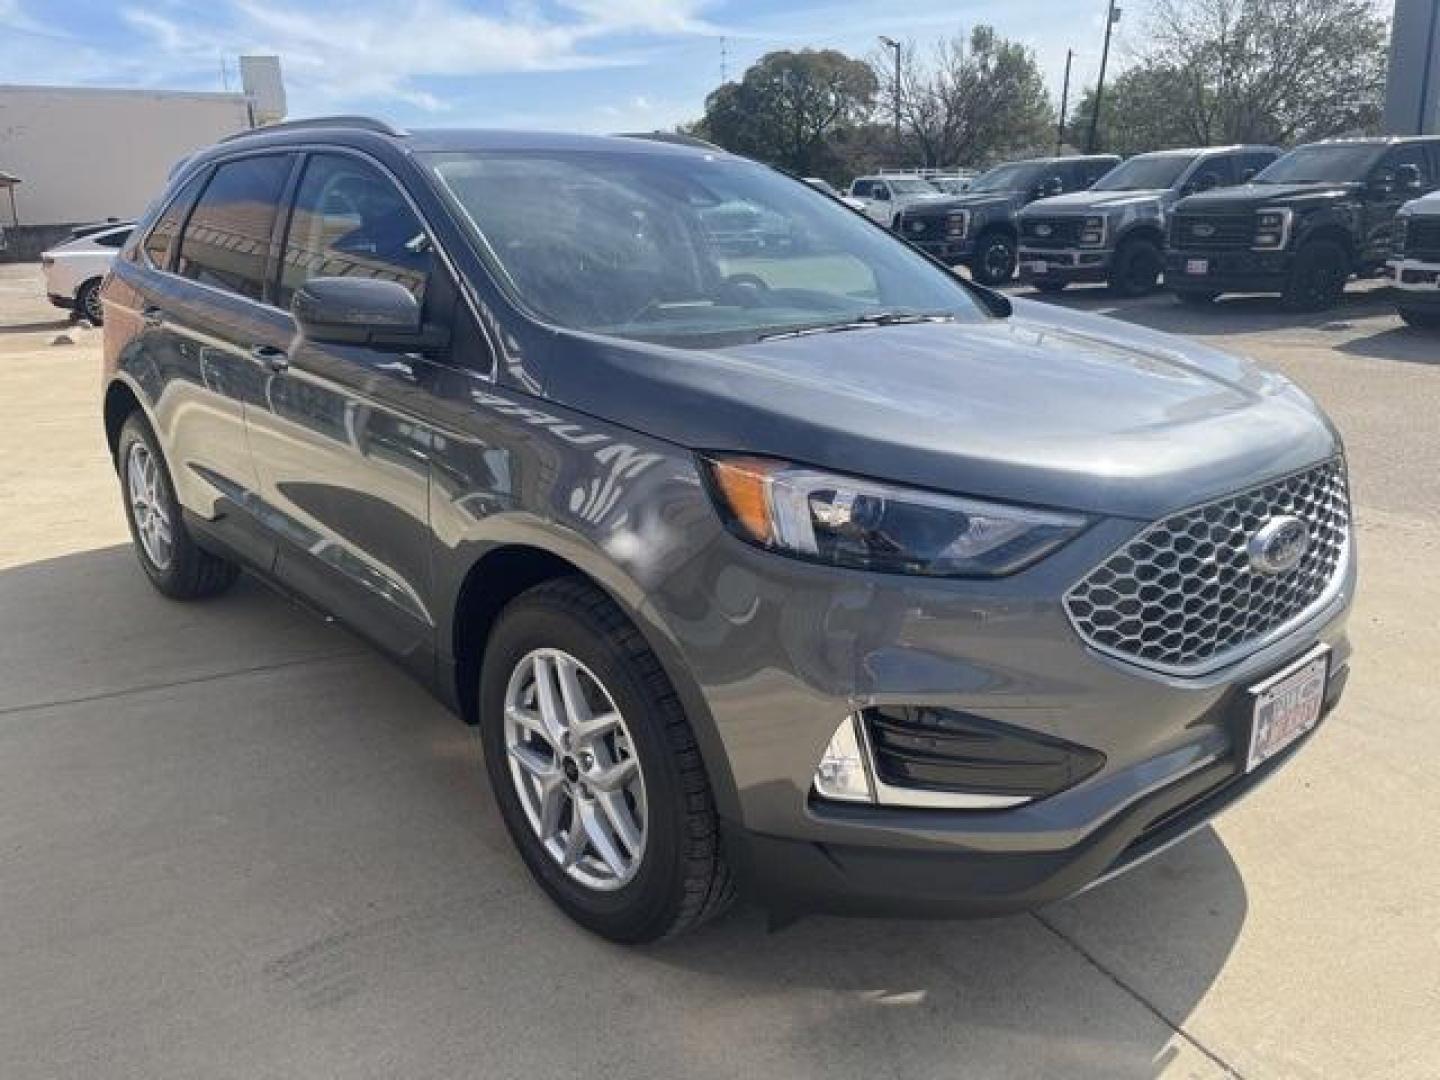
[(75, 269)]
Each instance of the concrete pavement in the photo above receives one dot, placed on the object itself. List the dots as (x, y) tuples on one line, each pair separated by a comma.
[(235, 842)]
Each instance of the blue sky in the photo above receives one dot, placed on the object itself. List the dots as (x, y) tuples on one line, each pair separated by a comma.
[(593, 65)]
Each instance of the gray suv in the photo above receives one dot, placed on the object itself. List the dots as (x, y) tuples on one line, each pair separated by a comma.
[(1115, 231), (811, 572)]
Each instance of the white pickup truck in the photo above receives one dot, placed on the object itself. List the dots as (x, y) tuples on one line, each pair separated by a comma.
[(885, 196)]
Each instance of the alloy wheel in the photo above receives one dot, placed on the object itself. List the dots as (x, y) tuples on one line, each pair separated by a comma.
[(575, 769), (93, 309), (148, 505)]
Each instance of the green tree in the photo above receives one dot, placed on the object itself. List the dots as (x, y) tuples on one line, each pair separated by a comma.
[(1270, 71), (789, 107), (978, 98)]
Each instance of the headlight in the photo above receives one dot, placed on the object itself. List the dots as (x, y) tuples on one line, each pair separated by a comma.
[(957, 223), (1399, 236), (1272, 229), (873, 526), (1092, 232)]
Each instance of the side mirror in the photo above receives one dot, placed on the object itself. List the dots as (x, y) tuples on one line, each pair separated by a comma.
[(1408, 178), (1053, 186), (1246, 175), (362, 311)]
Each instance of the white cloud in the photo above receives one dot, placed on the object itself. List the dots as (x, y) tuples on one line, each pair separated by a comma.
[(368, 49)]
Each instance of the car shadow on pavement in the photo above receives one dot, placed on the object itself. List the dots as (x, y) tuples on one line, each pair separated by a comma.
[(1227, 316), (1406, 344), (232, 822), (31, 327)]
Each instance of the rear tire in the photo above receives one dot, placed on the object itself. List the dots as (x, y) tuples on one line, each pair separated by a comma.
[(995, 259), (1423, 319), (87, 303), (1317, 279), (1196, 297), (1136, 270), (678, 878), (171, 559)]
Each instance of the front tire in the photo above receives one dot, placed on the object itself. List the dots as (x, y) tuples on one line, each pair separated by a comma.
[(595, 767), (171, 559), (995, 258), (1317, 280), (1423, 319), (1137, 269)]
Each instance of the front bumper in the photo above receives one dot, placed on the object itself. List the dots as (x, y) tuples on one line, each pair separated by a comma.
[(783, 651), (1414, 284), (1229, 270), (1077, 265), (949, 250)]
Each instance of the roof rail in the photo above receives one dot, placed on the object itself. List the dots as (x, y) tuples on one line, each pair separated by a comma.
[(363, 123)]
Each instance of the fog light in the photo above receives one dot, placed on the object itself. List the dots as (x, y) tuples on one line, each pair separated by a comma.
[(841, 773)]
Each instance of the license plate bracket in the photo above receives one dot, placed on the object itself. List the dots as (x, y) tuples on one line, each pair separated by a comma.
[(1287, 706), (1197, 267)]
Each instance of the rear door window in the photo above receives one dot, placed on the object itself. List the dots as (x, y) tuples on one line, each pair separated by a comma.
[(227, 239), (162, 236)]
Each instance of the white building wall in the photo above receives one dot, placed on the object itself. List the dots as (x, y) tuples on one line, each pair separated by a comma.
[(88, 154)]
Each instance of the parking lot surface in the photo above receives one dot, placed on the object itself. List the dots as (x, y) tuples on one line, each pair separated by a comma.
[(235, 842)]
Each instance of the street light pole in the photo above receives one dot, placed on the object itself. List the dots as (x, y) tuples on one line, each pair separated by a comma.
[(1064, 103), (1111, 18), (892, 44)]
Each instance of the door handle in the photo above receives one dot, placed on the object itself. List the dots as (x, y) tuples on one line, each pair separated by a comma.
[(152, 315), (270, 358)]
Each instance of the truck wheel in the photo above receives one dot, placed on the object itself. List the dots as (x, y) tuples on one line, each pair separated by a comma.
[(595, 767), (994, 262), (1424, 319), (1196, 297), (1317, 280), (1137, 268)]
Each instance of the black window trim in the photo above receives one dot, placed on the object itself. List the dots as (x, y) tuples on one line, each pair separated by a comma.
[(142, 247), (301, 152)]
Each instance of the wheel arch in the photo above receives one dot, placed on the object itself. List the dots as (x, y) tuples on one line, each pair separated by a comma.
[(508, 570), (1330, 231), (120, 401), (1143, 230)]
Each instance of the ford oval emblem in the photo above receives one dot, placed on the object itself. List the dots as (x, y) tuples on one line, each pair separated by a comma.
[(1278, 545), (1043, 230), (917, 226), (1203, 229)]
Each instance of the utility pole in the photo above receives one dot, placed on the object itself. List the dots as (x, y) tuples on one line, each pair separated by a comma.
[(724, 66), (1064, 103), (1110, 20), (892, 44)]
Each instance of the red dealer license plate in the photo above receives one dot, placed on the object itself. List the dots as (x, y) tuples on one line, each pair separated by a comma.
[(1286, 707)]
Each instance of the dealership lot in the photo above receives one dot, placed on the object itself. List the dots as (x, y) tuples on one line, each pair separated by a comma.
[(233, 841)]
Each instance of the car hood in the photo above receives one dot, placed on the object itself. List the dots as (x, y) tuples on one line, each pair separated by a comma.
[(1255, 196), (977, 201), (1090, 201), (1049, 407)]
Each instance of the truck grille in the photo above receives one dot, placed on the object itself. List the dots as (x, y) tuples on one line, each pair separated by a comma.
[(1050, 232), (922, 225), (1422, 239), (1211, 232), (1182, 596)]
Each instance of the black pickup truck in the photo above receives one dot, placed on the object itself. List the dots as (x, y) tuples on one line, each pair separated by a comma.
[(1303, 226), (977, 229)]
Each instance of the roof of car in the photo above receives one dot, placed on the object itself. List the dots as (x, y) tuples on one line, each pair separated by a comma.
[(345, 128)]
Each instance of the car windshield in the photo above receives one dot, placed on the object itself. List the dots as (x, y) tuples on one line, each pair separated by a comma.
[(685, 249), (1334, 164), (907, 186), (1015, 177), (1148, 172)]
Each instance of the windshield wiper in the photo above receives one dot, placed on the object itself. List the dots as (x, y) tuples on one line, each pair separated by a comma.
[(861, 322)]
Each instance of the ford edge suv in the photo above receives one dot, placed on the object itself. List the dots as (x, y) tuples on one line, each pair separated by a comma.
[(810, 572)]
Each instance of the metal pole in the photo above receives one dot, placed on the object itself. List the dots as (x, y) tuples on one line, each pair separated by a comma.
[(1425, 74), (1100, 84), (891, 43), (1064, 104)]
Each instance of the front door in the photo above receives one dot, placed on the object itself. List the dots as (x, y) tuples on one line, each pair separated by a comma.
[(342, 441)]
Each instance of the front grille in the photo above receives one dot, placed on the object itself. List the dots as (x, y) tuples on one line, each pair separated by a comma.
[(925, 226), (1050, 232), (1422, 239), (1182, 597), (1212, 232)]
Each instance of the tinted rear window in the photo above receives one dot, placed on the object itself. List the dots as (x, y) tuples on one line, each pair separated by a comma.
[(227, 239), (167, 228)]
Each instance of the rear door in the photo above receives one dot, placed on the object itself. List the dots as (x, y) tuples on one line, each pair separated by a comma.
[(203, 316), (344, 438)]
